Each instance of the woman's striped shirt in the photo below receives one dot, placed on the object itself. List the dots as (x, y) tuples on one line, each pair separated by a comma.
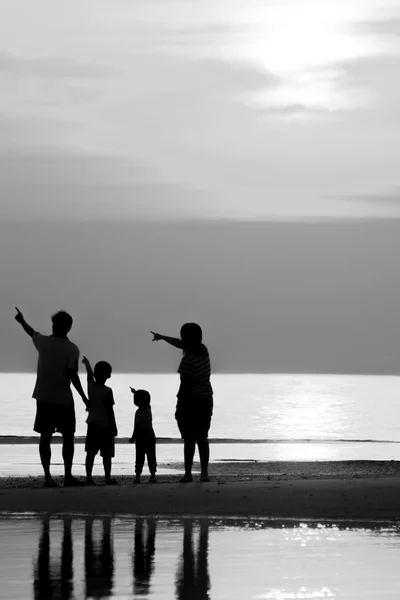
[(195, 372)]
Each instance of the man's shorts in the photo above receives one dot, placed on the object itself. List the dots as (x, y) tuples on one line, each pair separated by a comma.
[(55, 417), (99, 438)]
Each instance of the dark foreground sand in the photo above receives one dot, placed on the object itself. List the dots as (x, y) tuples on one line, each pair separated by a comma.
[(319, 490)]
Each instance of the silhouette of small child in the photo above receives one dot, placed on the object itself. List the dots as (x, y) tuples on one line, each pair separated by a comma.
[(143, 435), (102, 428)]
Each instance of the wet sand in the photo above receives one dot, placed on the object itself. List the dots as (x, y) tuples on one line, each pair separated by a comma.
[(326, 490)]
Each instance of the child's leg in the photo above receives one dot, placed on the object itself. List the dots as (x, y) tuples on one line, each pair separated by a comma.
[(108, 452), (151, 457), (140, 456), (89, 466)]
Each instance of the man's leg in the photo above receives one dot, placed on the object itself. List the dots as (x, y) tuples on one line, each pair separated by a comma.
[(45, 454), (68, 457), (107, 468), (66, 426), (68, 453)]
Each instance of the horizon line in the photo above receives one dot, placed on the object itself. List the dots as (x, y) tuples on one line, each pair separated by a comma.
[(10, 439), (301, 220), (241, 373)]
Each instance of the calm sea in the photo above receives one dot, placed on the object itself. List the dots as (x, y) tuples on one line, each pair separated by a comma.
[(260, 417), (247, 407)]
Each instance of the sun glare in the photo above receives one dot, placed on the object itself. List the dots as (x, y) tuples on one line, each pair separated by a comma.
[(302, 45)]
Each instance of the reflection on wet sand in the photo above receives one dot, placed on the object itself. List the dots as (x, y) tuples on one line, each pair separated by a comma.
[(109, 558), (99, 559), (54, 579), (192, 579), (143, 555)]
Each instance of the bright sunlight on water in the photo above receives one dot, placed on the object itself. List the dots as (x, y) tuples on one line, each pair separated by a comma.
[(262, 407), (75, 557)]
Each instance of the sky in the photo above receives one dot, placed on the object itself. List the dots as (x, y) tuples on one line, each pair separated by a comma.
[(232, 163)]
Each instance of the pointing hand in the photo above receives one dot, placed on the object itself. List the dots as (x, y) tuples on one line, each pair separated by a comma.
[(19, 317), (156, 336)]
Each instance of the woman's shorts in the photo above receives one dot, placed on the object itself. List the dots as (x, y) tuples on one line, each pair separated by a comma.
[(193, 415), (55, 417), (99, 438)]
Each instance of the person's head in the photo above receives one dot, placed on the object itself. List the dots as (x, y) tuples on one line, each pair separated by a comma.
[(191, 334), (62, 322), (141, 398), (102, 371)]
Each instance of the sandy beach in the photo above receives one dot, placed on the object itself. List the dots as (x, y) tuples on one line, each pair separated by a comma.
[(326, 490)]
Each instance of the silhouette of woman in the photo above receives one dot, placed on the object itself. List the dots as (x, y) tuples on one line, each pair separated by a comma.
[(194, 407), (192, 578)]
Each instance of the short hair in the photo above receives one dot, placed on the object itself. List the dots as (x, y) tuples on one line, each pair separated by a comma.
[(102, 369), (191, 334), (62, 321), (142, 398)]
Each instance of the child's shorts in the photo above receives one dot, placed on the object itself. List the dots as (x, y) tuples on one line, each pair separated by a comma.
[(99, 438)]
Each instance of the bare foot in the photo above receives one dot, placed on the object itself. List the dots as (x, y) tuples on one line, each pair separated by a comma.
[(50, 483), (72, 482)]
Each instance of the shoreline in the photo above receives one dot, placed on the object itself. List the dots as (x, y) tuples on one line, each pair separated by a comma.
[(243, 470), (11, 440), (366, 490)]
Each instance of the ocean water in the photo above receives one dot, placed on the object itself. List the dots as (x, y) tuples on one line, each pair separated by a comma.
[(247, 407), (220, 559), (256, 417)]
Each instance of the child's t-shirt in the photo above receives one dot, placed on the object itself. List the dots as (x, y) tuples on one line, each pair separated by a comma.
[(143, 427), (100, 398)]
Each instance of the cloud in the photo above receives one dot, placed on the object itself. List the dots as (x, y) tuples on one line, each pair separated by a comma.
[(375, 78), (71, 187), (389, 199), (298, 110), (52, 67), (372, 70), (184, 104), (381, 27)]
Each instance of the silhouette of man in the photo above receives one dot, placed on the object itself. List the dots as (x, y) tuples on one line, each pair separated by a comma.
[(52, 580), (193, 580), (57, 368), (143, 556), (99, 560)]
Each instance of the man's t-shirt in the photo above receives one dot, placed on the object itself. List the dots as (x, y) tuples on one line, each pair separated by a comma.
[(56, 356), (100, 398)]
